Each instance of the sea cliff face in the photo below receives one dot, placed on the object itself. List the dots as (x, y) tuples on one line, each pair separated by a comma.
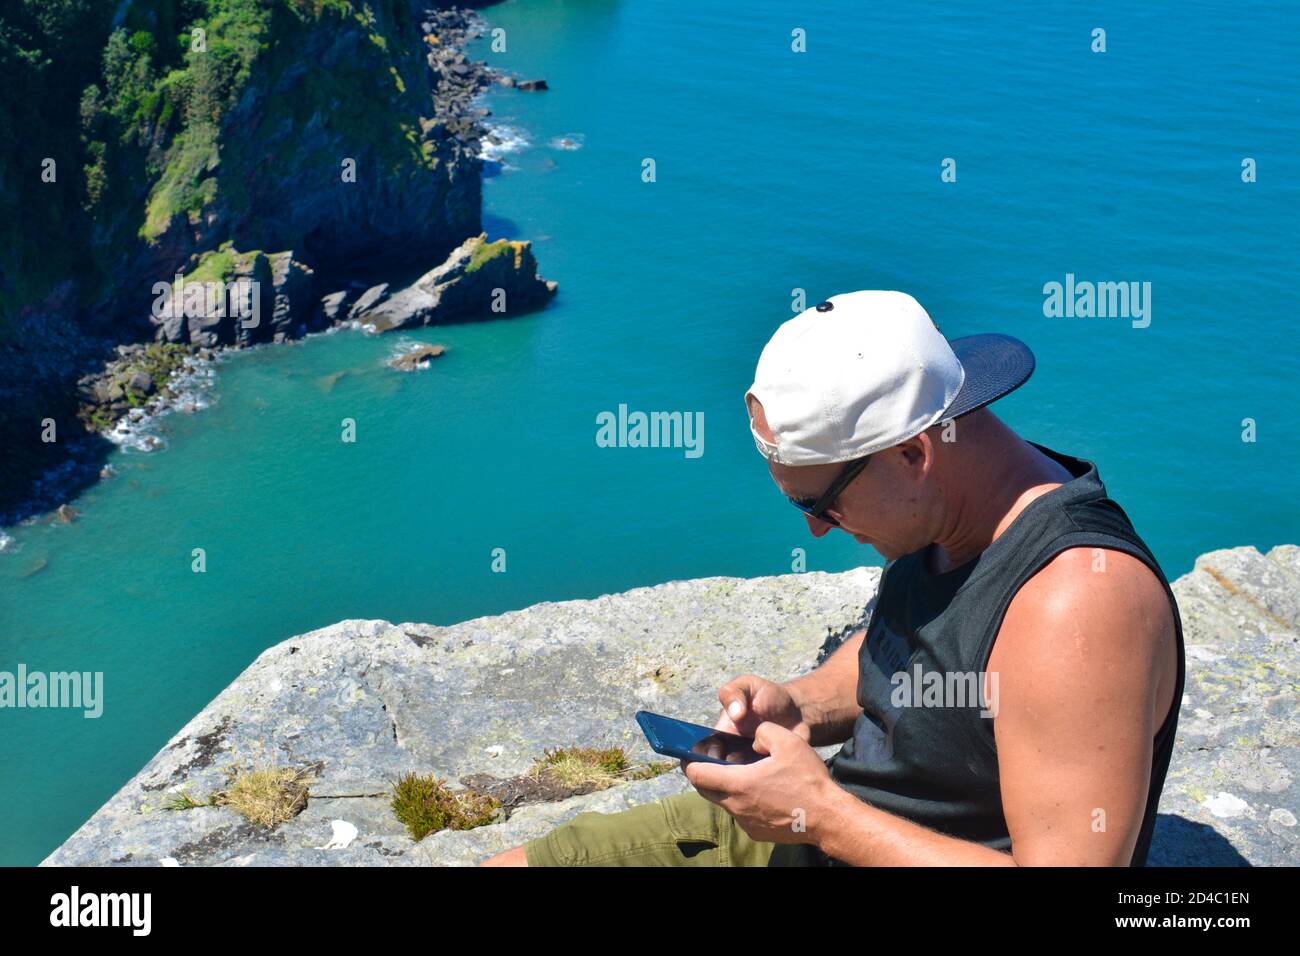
[(320, 150), (324, 128), (361, 703)]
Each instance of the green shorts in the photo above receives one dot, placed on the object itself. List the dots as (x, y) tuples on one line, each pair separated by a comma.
[(681, 830)]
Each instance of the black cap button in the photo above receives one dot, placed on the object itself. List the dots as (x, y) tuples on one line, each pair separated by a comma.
[(825, 306)]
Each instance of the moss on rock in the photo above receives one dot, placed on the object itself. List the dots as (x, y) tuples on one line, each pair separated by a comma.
[(489, 251), (425, 804)]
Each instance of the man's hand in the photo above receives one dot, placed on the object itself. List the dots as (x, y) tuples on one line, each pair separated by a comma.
[(777, 799), (749, 701)]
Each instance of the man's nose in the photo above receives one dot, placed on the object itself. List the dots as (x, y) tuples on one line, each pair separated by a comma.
[(817, 526)]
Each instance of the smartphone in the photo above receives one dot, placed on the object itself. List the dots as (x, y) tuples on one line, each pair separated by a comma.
[(686, 741)]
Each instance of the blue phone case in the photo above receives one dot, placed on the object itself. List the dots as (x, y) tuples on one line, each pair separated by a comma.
[(676, 738)]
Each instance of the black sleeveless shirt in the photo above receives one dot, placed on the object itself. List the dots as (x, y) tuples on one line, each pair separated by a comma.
[(932, 634)]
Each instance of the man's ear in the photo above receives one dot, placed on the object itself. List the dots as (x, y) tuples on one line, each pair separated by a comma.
[(918, 454)]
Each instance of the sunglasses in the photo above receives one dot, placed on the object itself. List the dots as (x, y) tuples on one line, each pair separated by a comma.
[(816, 507)]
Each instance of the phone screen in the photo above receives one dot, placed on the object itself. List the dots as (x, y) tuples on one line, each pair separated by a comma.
[(686, 741)]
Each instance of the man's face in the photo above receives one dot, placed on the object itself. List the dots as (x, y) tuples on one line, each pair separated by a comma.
[(871, 508), (885, 506)]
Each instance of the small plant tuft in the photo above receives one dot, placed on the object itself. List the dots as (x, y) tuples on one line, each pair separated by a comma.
[(652, 769), (584, 768), (425, 804), (266, 796), (181, 800)]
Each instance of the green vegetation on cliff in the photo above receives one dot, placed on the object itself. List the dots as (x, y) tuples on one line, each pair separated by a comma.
[(172, 126), (50, 50), (488, 251), (425, 804)]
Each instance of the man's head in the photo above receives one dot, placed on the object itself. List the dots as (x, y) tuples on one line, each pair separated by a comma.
[(867, 375), (896, 502)]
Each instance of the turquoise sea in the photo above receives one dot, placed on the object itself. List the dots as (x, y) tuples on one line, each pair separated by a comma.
[(775, 171)]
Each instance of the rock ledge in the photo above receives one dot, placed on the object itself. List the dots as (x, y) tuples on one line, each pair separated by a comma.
[(370, 700)]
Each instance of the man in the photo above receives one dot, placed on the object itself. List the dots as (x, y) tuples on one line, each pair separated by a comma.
[(1014, 698)]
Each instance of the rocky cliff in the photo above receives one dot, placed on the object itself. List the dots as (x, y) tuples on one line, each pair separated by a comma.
[(321, 127), (359, 704), (318, 149)]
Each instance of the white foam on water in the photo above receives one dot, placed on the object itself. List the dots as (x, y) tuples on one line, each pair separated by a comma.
[(501, 141), (401, 346), (405, 346), (570, 141), (7, 543), (191, 391)]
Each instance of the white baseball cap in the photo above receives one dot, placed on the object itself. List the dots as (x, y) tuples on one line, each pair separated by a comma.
[(866, 370)]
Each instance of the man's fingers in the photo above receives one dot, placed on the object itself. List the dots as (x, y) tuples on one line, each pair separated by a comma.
[(725, 724), (768, 736), (737, 699), (710, 777), (713, 796), (734, 697)]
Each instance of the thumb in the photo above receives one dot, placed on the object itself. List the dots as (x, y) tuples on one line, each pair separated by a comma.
[(770, 737)]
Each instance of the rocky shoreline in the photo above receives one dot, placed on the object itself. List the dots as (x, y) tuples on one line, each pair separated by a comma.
[(109, 384), (137, 381), (362, 703)]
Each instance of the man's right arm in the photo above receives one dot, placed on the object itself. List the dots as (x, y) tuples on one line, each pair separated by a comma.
[(828, 697)]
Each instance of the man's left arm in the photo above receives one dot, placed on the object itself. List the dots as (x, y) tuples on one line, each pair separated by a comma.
[(1083, 654), (1084, 659)]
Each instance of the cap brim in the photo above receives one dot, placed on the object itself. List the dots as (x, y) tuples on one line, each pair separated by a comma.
[(995, 365)]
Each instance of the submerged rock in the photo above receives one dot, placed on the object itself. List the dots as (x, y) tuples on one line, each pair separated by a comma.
[(36, 567), (369, 701), (417, 358)]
